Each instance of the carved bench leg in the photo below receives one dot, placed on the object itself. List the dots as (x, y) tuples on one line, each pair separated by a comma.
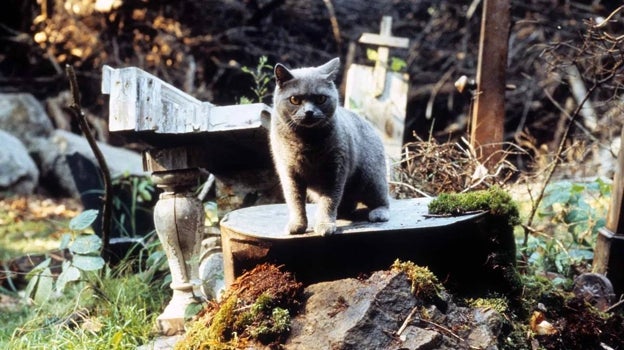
[(179, 222)]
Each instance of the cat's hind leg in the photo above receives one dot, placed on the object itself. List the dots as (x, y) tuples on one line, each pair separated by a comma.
[(379, 205), (379, 214)]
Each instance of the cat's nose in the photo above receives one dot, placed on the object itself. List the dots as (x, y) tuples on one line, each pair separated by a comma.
[(309, 114)]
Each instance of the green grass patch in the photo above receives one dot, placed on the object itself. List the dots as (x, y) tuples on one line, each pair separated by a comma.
[(111, 313), (31, 225)]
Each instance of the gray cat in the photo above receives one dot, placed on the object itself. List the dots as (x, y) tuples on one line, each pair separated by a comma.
[(325, 149)]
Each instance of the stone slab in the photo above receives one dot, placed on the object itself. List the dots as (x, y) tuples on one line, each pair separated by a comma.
[(456, 249), (268, 221)]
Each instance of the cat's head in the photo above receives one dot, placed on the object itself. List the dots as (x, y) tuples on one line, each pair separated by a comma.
[(306, 97)]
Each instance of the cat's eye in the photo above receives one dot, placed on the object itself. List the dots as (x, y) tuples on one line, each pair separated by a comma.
[(320, 99), (296, 100)]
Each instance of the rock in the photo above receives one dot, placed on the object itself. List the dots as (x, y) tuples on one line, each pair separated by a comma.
[(23, 116), (138, 222), (382, 313), (487, 327), (353, 314), (18, 172), (54, 167), (211, 271), (414, 338)]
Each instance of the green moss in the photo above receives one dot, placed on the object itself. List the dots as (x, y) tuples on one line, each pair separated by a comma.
[(215, 335), (270, 329), (233, 326), (500, 305), (425, 284), (494, 200)]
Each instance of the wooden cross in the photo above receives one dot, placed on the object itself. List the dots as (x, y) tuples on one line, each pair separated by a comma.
[(379, 94), (384, 40)]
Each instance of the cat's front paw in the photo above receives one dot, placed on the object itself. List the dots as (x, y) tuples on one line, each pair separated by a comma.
[(379, 214), (325, 228), (296, 227)]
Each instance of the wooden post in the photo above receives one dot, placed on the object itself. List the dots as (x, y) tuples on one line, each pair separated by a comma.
[(609, 251), (488, 114)]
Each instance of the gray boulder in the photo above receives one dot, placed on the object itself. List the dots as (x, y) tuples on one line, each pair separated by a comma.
[(52, 151), (23, 116), (18, 172), (353, 314)]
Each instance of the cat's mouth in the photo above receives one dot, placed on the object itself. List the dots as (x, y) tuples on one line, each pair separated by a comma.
[(308, 121)]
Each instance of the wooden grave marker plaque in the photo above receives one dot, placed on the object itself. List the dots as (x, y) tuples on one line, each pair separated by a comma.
[(378, 94)]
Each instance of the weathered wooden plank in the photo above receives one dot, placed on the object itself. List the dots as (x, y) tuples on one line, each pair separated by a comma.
[(142, 102), (384, 40), (386, 112), (223, 118), (377, 94)]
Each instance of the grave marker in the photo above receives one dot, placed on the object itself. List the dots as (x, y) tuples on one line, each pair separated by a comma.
[(378, 94), (609, 251)]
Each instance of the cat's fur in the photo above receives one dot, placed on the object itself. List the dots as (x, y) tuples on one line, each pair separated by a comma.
[(325, 149)]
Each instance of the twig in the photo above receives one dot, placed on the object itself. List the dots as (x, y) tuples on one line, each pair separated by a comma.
[(407, 321), (434, 92), (411, 316), (577, 87), (207, 186), (410, 187), (456, 213), (441, 327), (76, 111), (614, 306), (334, 22), (605, 21)]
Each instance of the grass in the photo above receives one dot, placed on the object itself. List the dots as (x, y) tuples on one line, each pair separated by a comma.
[(32, 225), (111, 313), (112, 310)]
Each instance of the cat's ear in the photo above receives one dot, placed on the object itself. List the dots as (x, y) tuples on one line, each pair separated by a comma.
[(330, 69), (282, 74)]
